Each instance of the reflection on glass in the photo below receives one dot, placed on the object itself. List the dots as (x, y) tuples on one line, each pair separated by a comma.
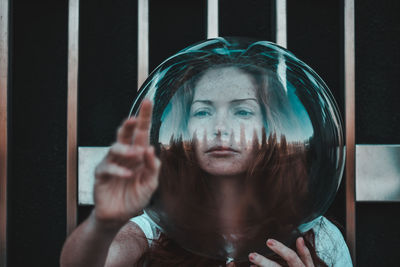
[(248, 150)]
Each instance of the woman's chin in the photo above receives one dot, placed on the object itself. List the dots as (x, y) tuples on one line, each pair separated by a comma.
[(223, 170), (220, 164)]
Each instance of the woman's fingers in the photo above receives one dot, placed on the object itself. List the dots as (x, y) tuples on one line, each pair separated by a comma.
[(137, 160), (132, 139), (110, 171), (149, 159), (304, 252), (152, 165), (261, 261), (141, 134), (125, 132), (126, 155), (286, 253), (135, 130)]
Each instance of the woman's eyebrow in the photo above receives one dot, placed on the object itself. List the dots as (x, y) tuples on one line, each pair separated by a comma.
[(207, 102), (244, 99)]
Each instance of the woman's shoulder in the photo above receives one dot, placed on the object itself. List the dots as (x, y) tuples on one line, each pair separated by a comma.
[(148, 226), (330, 244), (127, 247)]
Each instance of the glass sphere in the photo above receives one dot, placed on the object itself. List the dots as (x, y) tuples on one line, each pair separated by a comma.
[(251, 145)]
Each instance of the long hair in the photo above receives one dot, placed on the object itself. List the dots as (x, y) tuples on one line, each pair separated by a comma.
[(275, 185), (272, 204)]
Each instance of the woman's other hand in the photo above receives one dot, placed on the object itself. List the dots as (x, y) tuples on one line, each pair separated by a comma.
[(128, 176), (300, 259)]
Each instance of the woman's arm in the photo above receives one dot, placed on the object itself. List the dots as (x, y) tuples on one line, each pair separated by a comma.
[(125, 181), (93, 244), (127, 247)]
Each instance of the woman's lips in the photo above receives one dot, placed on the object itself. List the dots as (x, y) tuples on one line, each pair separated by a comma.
[(221, 151)]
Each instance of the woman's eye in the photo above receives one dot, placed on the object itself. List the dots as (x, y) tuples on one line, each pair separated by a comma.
[(244, 113), (201, 113)]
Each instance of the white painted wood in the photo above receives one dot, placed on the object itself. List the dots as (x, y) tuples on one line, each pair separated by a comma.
[(378, 172), (349, 88), (4, 10), (88, 157), (143, 42), (281, 21), (72, 113), (212, 19)]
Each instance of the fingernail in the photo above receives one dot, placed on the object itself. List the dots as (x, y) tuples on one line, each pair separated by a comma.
[(301, 241), (126, 173), (252, 256), (271, 242)]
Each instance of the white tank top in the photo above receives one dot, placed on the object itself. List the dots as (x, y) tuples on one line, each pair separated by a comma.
[(329, 242)]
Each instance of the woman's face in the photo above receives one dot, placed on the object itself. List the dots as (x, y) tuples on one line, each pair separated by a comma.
[(225, 117)]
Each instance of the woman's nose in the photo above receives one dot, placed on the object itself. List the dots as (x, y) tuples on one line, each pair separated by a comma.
[(221, 127)]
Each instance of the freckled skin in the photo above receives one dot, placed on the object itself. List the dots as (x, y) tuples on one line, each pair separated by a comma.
[(225, 113)]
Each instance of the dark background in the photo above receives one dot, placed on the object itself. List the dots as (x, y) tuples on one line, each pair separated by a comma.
[(107, 88)]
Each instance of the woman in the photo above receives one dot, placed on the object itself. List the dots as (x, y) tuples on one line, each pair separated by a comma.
[(213, 166), (225, 135)]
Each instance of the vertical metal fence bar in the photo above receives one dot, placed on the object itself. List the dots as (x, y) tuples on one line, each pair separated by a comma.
[(349, 68), (3, 128), (212, 19), (281, 28), (73, 47), (143, 41)]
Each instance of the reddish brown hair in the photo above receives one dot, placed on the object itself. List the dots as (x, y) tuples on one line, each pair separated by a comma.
[(274, 188), (274, 200)]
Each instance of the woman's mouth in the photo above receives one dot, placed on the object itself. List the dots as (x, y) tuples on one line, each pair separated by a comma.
[(221, 151)]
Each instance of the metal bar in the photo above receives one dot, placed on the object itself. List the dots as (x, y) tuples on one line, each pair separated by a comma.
[(212, 19), (143, 41), (73, 47), (281, 23), (349, 69), (3, 128)]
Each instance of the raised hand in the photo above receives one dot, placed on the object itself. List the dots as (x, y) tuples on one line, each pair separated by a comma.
[(128, 176)]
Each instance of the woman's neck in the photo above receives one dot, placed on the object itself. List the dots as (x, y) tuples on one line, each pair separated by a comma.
[(226, 189), (227, 193)]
